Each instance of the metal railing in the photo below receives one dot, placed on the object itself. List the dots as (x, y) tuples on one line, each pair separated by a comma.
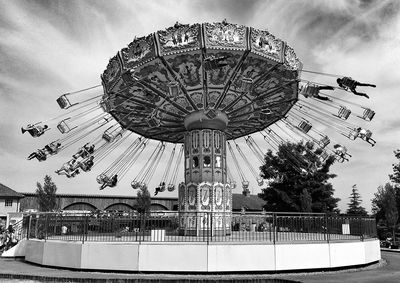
[(198, 227)]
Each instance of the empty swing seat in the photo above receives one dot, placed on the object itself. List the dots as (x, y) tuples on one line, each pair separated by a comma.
[(171, 187), (64, 102), (245, 184), (344, 113), (368, 114), (305, 126), (63, 127)]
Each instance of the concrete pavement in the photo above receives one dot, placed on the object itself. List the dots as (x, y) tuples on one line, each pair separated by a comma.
[(12, 270)]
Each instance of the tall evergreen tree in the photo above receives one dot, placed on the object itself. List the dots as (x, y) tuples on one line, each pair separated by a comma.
[(299, 179), (47, 198), (143, 200), (355, 207)]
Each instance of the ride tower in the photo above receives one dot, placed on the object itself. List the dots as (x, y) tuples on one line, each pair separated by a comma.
[(202, 85)]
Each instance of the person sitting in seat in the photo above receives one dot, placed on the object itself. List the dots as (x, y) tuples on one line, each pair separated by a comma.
[(366, 135), (40, 154), (348, 83), (87, 164), (35, 131), (84, 151), (311, 90), (341, 152), (52, 148), (110, 182), (69, 168), (158, 189)]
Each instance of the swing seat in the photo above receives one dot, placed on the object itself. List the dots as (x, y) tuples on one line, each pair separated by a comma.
[(260, 181), (233, 185), (324, 156), (171, 187), (324, 142), (173, 89), (135, 185), (64, 102), (110, 137), (309, 90), (245, 184), (368, 114), (162, 187), (353, 134), (343, 113), (305, 126), (63, 127)]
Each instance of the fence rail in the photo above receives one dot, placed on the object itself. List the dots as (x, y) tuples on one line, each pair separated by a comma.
[(203, 227)]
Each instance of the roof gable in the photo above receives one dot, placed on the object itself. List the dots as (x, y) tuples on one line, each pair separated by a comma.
[(8, 193)]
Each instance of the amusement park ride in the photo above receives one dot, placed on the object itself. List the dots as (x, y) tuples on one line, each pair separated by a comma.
[(201, 87)]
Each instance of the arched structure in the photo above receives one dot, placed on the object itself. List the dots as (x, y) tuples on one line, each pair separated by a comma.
[(80, 206), (120, 207)]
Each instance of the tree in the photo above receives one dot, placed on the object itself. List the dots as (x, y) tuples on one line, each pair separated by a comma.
[(384, 206), (143, 200), (47, 195), (298, 179), (395, 177), (355, 207)]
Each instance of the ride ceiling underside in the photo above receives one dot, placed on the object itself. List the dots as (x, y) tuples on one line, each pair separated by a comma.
[(247, 74)]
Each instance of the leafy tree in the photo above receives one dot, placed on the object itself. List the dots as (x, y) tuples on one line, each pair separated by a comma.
[(299, 179), (395, 177), (384, 206), (47, 199), (143, 200), (355, 207)]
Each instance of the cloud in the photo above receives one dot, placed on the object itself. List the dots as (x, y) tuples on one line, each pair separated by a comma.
[(51, 47)]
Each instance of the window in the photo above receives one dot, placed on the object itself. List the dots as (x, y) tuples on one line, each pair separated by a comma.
[(218, 162), (8, 202), (207, 161), (187, 163)]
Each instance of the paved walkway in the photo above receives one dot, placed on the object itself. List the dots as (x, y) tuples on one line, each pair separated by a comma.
[(12, 270)]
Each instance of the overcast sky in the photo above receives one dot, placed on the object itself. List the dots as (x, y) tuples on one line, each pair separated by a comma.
[(51, 47)]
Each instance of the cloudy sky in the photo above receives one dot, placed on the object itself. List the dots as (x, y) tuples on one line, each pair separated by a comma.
[(51, 47)]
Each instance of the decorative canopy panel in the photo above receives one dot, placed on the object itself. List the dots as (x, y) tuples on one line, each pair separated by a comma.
[(158, 80)]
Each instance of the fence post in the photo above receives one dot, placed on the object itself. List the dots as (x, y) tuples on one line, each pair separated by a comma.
[(326, 228), (45, 226), (274, 227), (83, 229), (28, 231)]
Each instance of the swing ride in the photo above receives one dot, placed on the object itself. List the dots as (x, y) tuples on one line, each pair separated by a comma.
[(199, 90)]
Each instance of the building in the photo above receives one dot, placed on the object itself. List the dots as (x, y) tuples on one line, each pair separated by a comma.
[(240, 202), (9, 202)]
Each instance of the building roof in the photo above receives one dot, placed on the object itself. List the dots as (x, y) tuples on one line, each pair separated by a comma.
[(249, 202), (9, 193)]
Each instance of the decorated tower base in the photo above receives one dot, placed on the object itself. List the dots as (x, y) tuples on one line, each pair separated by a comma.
[(205, 200)]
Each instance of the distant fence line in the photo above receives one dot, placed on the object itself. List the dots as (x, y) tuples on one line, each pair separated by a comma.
[(267, 227)]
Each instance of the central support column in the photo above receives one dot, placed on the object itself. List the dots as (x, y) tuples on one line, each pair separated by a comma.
[(205, 202)]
